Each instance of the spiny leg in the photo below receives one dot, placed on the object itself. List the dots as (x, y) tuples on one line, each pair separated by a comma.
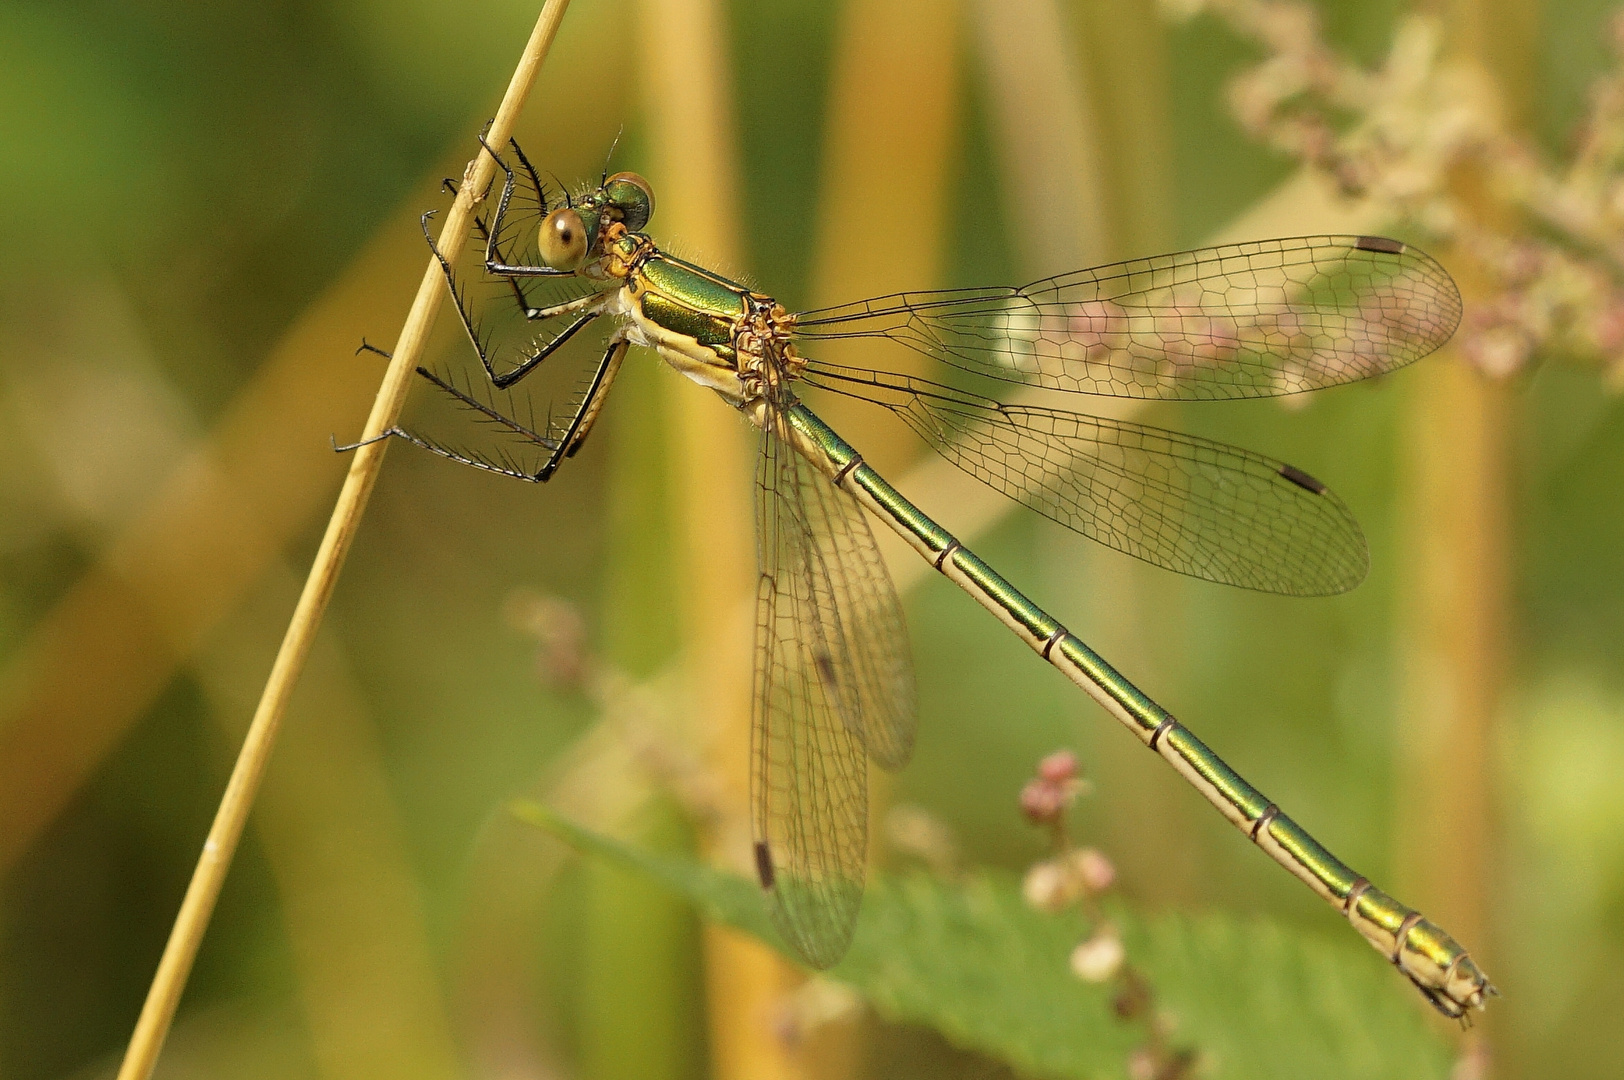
[(520, 297), (492, 240), (503, 466), (491, 414), (536, 185), (565, 444), (502, 380), (591, 402), (433, 447), (534, 359), (494, 263)]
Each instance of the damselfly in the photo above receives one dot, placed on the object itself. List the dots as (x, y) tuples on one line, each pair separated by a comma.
[(834, 681)]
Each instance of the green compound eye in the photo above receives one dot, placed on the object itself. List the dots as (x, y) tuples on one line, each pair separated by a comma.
[(632, 196), (563, 239)]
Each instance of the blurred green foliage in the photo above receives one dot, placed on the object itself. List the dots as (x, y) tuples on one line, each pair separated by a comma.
[(973, 960)]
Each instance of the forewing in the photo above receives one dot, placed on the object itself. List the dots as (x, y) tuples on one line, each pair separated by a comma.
[(1189, 504), (833, 678), (1255, 319)]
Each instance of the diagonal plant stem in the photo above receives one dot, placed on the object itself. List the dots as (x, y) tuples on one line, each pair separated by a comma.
[(176, 964)]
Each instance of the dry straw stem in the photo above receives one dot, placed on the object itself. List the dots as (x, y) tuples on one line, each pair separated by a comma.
[(689, 110), (197, 907)]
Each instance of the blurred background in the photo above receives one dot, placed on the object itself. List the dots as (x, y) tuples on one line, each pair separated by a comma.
[(210, 205)]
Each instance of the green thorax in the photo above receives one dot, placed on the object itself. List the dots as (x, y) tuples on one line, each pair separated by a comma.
[(687, 299)]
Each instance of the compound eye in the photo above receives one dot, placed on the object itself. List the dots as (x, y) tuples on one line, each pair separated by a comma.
[(563, 240), (632, 196)]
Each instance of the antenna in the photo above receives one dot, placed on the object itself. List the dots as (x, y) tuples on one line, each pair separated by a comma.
[(611, 155)]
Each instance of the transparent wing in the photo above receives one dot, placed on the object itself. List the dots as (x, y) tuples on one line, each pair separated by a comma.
[(877, 679), (1243, 320), (1191, 505), (833, 680)]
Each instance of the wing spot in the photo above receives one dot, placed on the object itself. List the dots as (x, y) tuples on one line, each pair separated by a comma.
[(1302, 479), (1379, 243), (826, 672), (764, 865)]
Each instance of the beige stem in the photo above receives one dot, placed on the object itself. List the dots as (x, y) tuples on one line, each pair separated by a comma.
[(176, 964), (1454, 618), (693, 150)]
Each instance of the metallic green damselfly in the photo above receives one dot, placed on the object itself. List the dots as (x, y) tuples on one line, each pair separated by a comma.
[(834, 680)]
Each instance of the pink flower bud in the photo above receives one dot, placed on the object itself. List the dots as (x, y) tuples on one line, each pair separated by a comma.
[(1144, 1064), (1058, 767), (1042, 802), (1094, 871)]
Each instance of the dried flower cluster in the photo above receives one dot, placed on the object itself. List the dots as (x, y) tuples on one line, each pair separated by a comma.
[(1046, 796), (1539, 243), (563, 660), (1069, 878), (636, 712), (1079, 876)]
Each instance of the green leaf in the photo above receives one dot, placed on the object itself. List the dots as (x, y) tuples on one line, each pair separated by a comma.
[(1253, 1001), (1260, 1001)]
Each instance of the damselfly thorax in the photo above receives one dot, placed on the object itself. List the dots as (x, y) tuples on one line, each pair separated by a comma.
[(715, 331)]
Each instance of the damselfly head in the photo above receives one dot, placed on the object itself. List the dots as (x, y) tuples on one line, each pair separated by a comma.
[(630, 197), (566, 236), (571, 234)]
